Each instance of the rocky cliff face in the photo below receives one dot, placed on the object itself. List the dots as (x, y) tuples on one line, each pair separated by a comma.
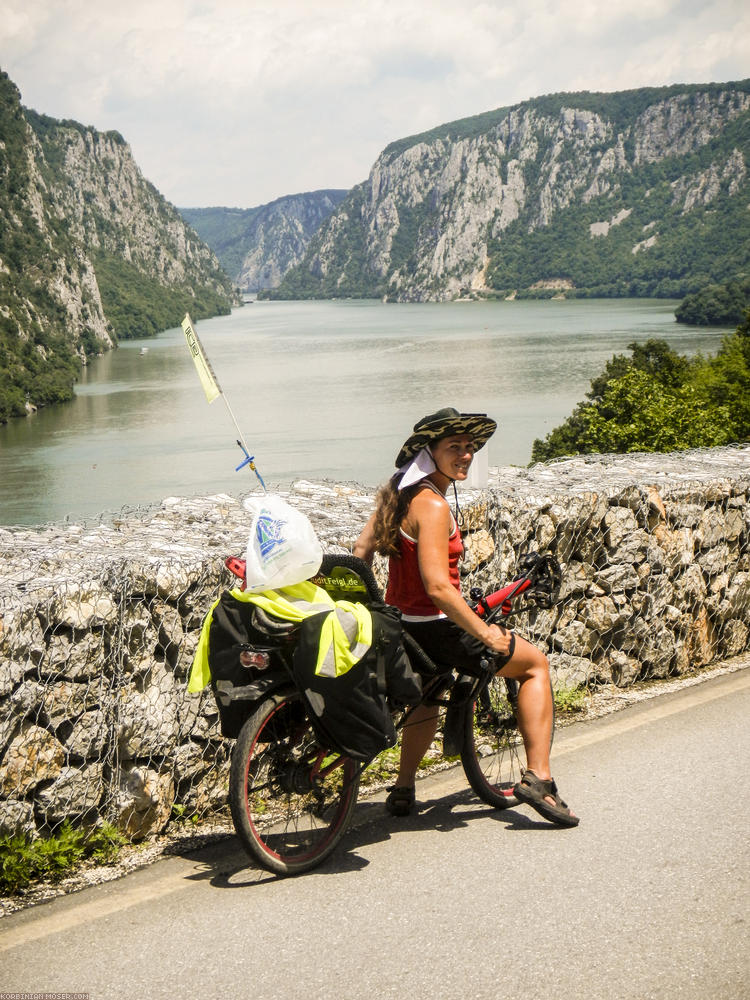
[(92, 186), (84, 241), (257, 246), (98, 190), (509, 199)]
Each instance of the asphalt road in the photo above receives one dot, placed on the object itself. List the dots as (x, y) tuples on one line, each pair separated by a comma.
[(647, 898)]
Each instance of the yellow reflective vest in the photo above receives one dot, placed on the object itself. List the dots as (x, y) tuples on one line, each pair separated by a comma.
[(345, 637)]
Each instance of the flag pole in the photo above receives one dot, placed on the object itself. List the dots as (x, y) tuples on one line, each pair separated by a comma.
[(213, 390)]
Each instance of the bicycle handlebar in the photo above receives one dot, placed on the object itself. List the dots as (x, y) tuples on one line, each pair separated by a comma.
[(501, 598)]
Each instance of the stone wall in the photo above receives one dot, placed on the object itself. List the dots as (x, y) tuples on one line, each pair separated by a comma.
[(98, 623)]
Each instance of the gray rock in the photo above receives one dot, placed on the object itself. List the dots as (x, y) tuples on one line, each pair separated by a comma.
[(569, 672), (67, 700), (479, 548), (82, 657), (690, 587), (11, 673), (617, 579), (75, 792), (602, 614), (144, 800), (148, 719), (633, 548), (16, 819), (619, 523), (655, 648), (714, 561), (576, 579), (624, 670), (661, 590), (733, 637), (89, 736), (82, 606), (575, 638)]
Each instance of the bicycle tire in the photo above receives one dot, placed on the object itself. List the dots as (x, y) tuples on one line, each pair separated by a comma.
[(492, 750), (286, 815)]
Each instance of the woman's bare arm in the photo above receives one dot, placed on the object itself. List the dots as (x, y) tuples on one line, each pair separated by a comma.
[(364, 547)]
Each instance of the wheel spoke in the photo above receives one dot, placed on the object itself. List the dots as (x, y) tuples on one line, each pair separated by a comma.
[(492, 746), (493, 754), (288, 812)]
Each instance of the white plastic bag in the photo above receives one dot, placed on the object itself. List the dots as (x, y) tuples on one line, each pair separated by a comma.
[(282, 549)]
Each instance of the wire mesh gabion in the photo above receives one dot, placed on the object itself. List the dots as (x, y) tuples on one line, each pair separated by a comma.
[(99, 623)]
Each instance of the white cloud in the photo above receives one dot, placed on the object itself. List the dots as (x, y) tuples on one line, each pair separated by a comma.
[(238, 101)]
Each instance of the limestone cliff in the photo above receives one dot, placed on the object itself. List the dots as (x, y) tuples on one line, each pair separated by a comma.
[(601, 193), (89, 252), (257, 246)]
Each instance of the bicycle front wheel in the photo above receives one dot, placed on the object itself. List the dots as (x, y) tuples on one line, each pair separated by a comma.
[(291, 798), (493, 754)]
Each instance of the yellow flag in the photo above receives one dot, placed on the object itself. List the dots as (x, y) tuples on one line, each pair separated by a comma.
[(202, 364)]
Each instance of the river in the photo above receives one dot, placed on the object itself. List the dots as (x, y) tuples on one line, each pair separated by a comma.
[(321, 390)]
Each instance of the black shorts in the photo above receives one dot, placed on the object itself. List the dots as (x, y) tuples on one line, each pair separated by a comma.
[(442, 639)]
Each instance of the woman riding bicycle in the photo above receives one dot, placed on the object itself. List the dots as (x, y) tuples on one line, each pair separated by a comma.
[(413, 525)]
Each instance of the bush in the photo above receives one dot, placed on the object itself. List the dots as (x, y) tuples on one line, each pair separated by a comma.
[(25, 861), (716, 305), (658, 400)]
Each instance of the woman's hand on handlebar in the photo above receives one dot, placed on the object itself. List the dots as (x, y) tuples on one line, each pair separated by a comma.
[(497, 639)]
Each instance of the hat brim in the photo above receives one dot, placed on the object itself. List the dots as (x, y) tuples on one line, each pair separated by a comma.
[(478, 426)]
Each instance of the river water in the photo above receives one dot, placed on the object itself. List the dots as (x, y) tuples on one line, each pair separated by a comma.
[(321, 390)]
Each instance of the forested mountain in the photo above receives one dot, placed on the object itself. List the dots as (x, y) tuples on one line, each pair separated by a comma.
[(89, 252), (641, 192), (257, 246)]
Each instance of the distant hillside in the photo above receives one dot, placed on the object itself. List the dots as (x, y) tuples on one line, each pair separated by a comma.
[(89, 252), (640, 193), (257, 246)]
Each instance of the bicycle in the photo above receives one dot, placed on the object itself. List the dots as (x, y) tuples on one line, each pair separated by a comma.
[(292, 799)]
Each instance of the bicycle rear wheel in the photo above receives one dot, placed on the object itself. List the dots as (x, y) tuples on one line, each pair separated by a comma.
[(493, 754), (291, 799)]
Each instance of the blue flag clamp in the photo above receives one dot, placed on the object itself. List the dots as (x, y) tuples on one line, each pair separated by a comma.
[(249, 460)]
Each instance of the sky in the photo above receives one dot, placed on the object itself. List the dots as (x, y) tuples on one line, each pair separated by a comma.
[(239, 102)]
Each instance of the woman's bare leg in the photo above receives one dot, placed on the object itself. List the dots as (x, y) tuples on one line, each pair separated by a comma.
[(530, 667), (416, 737)]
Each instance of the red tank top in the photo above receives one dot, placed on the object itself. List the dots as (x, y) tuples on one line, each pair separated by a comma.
[(405, 588)]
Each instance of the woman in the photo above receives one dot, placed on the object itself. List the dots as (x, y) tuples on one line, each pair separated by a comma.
[(413, 525)]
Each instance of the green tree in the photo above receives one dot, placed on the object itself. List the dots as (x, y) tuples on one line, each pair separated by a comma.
[(727, 381), (658, 400), (716, 305), (638, 412)]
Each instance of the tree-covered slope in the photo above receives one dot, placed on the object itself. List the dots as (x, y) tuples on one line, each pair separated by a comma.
[(39, 360), (640, 192)]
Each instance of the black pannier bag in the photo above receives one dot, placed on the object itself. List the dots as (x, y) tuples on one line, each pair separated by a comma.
[(235, 626), (351, 712)]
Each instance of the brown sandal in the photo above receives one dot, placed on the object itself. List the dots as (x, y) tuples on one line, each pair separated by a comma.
[(534, 791), (401, 800)]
